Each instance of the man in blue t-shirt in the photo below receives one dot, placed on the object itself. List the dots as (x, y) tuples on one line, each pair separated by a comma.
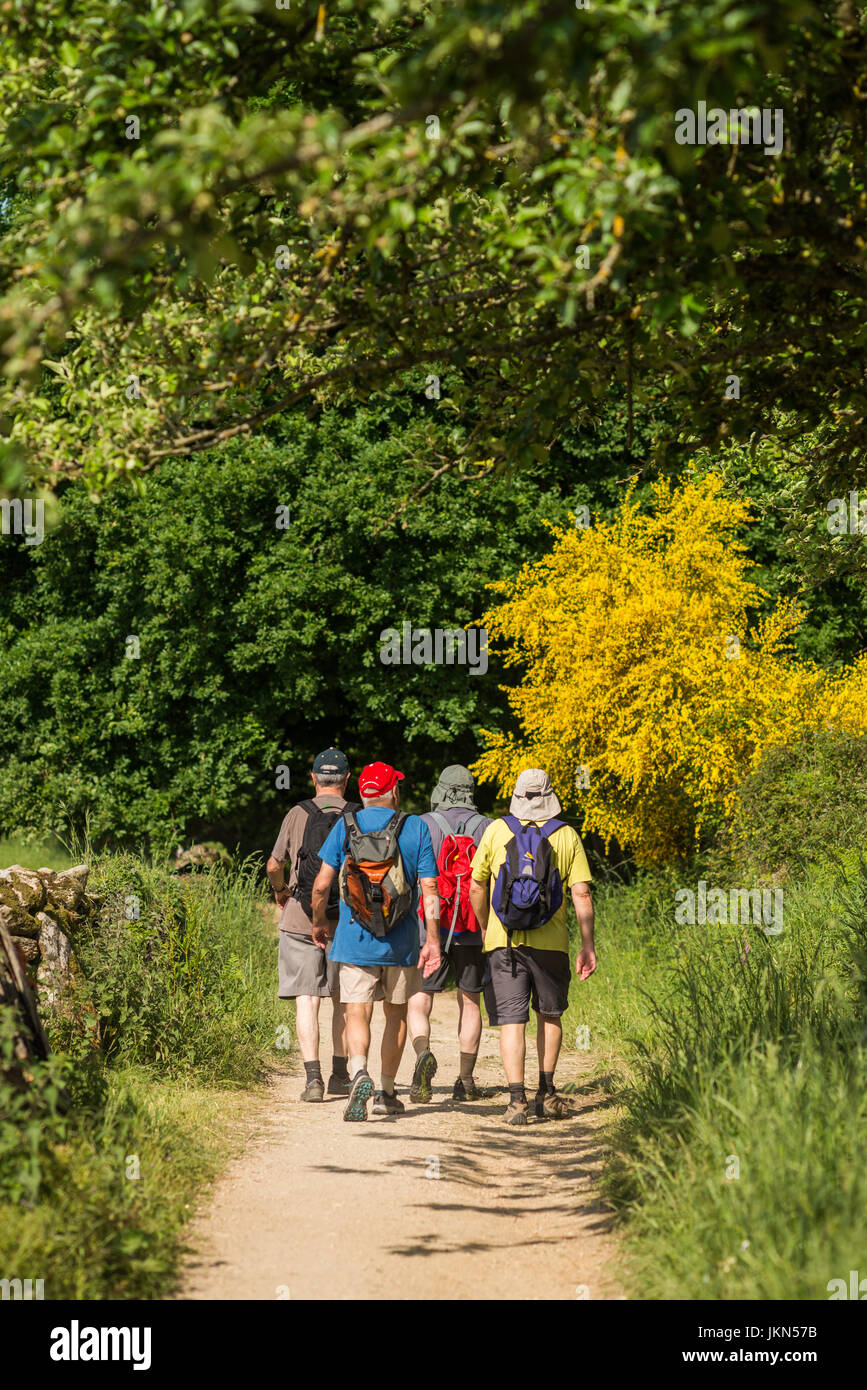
[(389, 966)]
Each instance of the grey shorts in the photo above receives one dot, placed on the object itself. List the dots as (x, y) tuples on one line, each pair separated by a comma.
[(304, 968), (540, 980)]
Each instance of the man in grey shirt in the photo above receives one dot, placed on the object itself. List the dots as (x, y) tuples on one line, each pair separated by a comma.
[(453, 814), (305, 972)]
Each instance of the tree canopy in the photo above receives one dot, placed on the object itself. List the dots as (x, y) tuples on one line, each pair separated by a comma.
[(218, 208), (257, 644)]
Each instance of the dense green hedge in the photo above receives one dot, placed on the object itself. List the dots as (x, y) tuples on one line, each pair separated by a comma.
[(804, 803), (258, 646)]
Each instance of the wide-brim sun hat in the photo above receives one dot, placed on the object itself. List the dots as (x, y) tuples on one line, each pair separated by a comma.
[(533, 797)]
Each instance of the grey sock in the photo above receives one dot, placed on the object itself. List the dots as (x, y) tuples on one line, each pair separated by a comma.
[(420, 1045), (313, 1070)]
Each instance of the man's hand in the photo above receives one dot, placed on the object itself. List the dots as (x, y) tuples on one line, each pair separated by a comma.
[(582, 901), (430, 958), (323, 930), (586, 963), (282, 895)]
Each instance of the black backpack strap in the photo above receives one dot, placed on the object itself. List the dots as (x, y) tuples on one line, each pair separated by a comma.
[(513, 867), (307, 807)]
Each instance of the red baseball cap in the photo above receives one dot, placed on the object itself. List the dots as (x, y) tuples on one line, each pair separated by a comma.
[(377, 779)]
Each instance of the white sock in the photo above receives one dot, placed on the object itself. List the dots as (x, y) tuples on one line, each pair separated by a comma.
[(357, 1064), (388, 1084)]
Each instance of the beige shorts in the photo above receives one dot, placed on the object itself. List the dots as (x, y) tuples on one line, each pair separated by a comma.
[(364, 984)]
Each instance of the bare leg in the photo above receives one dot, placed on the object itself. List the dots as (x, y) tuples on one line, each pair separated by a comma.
[(549, 1036), (393, 1038), (469, 1021), (338, 1027), (358, 1018), (513, 1048), (418, 1012), (307, 1026)]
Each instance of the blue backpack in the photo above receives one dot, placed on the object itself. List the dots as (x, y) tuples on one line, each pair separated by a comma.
[(528, 889)]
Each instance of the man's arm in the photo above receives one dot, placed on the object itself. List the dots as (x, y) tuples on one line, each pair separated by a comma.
[(582, 901), (430, 956), (322, 928), (479, 904), (277, 880)]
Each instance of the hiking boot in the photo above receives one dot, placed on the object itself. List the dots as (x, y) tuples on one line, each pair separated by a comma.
[(314, 1090), (468, 1090), (551, 1106), (425, 1071), (387, 1103), (339, 1085), (516, 1113), (359, 1094)]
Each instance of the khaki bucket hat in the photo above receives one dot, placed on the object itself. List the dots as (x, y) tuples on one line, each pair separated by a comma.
[(533, 797)]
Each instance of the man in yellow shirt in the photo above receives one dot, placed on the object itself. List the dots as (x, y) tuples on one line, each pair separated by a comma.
[(530, 869)]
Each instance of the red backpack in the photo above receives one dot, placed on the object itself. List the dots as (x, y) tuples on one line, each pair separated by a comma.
[(454, 867)]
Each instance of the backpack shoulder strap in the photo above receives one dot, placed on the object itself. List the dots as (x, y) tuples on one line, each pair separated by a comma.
[(442, 823), (513, 823), (551, 826), (464, 825), (308, 806)]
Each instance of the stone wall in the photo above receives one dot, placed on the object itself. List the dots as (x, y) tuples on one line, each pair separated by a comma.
[(43, 911)]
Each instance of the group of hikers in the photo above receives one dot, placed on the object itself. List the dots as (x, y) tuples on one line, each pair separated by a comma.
[(492, 914)]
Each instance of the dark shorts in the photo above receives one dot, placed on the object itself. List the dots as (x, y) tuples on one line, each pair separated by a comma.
[(304, 968), (466, 963), (540, 981)]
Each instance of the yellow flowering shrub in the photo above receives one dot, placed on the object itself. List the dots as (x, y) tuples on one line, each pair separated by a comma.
[(650, 689)]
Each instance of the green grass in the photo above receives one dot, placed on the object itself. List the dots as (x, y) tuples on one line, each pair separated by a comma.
[(108, 1221), (34, 854), (737, 1155), (163, 1048)]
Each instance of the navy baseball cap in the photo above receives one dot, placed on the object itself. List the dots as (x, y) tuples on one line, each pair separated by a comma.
[(332, 760)]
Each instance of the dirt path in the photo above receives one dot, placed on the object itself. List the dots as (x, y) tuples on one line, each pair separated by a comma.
[(442, 1202)]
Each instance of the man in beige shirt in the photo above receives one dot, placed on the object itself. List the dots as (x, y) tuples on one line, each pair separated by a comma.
[(306, 973)]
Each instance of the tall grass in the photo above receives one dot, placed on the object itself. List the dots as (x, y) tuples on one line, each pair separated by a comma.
[(180, 971), (738, 1160), (170, 1025)]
